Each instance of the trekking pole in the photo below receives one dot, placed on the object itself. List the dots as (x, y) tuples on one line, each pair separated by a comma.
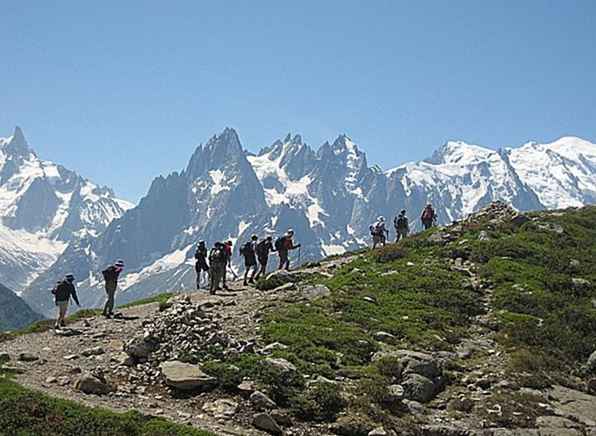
[(299, 254)]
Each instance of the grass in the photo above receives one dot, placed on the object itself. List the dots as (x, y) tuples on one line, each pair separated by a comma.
[(162, 299), (24, 412)]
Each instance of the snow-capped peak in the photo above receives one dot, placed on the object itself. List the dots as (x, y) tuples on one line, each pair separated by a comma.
[(460, 153)]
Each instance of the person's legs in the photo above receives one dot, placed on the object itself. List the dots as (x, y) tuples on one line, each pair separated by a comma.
[(282, 259), (109, 306), (62, 309), (246, 270)]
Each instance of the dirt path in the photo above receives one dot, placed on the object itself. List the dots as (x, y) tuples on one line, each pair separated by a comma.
[(60, 359)]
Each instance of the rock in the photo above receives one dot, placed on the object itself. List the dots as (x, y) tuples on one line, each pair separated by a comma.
[(519, 220), (268, 349), (395, 393), (95, 351), (141, 347), (265, 422), (262, 401), (551, 422), (591, 364), (351, 426), (51, 380), (580, 285), (316, 291), (222, 408), (280, 364), (418, 388), (71, 357), (461, 404), (185, 376), (123, 359), (90, 384), (67, 332), (285, 287), (63, 381), (27, 357), (574, 405), (247, 387), (4, 357), (379, 431), (385, 337), (281, 418), (591, 386), (483, 236)]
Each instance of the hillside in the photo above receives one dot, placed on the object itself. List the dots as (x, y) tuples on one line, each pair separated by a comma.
[(484, 327), (14, 312), (328, 195)]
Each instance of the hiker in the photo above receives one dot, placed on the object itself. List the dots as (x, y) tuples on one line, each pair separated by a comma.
[(63, 292), (201, 262), (217, 266), (283, 245), (249, 252), (402, 226), (428, 217), (378, 232), (263, 249), (227, 246), (110, 275)]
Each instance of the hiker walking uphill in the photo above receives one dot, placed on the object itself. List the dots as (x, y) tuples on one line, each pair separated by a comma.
[(263, 249), (428, 217), (249, 252), (283, 245), (402, 226), (201, 262), (63, 292), (217, 266), (227, 246), (110, 276), (378, 232)]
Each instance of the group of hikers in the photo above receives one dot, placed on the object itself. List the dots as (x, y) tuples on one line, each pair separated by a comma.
[(65, 290), (401, 224), (215, 263)]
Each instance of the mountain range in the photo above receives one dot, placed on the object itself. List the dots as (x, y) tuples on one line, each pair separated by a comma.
[(329, 196)]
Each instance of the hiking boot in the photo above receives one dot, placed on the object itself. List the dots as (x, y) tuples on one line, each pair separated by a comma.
[(245, 283), (62, 324), (251, 281)]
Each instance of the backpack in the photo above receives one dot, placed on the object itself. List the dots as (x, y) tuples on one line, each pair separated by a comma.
[(401, 222), (279, 243), (217, 255), (246, 249), (262, 250), (428, 214)]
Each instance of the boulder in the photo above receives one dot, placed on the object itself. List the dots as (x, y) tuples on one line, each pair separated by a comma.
[(591, 386), (265, 422), (591, 364), (519, 220), (141, 347), (316, 291), (246, 388), (379, 431), (281, 418), (185, 376), (27, 357), (280, 364), (95, 351), (418, 388), (90, 384), (395, 393), (4, 357), (385, 337), (580, 285), (222, 408), (261, 401)]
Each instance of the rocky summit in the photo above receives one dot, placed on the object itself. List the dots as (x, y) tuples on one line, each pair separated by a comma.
[(481, 327)]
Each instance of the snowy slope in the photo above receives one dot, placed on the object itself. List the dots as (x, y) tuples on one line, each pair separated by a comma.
[(43, 207), (562, 173)]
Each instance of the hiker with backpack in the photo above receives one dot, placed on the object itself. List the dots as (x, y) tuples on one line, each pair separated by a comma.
[(378, 232), (217, 266), (283, 245), (428, 217), (249, 252), (110, 276), (402, 226), (63, 292), (201, 262), (263, 249), (227, 246)]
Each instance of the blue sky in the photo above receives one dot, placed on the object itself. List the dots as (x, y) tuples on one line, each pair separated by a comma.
[(124, 91)]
